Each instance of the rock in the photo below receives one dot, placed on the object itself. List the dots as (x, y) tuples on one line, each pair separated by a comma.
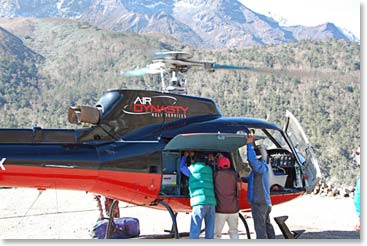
[(335, 192)]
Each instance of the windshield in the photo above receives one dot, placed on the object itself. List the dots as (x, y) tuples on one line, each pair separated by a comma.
[(271, 139), (299, 141)]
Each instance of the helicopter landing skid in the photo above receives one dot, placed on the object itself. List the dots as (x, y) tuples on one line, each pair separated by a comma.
[(174, 229)]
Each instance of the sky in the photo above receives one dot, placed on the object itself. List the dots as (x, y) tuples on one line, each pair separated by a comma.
[(343, 13)]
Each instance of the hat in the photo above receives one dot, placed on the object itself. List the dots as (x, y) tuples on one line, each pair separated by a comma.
[(223, 162)]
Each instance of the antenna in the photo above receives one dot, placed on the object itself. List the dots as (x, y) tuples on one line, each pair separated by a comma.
[(162, 80)]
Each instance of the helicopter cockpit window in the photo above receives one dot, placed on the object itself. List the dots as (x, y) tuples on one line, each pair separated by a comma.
[(278, 150), (298, 141), (271, 139)]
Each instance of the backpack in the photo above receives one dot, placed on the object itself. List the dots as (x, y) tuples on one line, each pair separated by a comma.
[(122, 228)]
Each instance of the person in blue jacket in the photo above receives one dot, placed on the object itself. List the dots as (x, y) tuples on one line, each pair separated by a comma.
[(202, 196), (259, 191), (357, 193)]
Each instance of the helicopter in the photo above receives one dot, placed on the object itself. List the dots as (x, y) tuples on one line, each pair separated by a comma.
[(132, 141)]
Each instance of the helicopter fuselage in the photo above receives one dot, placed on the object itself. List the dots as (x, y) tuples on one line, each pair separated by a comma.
[(124, 156)]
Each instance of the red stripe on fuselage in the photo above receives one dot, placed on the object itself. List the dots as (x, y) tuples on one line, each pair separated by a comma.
[(132, 187)]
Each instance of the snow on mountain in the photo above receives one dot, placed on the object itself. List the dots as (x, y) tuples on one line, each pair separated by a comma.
[(201, 23), (350, 35)]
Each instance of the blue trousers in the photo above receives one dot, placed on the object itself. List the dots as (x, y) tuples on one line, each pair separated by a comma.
[(263, 227), (200, 213)]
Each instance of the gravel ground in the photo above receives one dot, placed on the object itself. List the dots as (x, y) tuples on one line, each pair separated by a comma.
[(61, 214)]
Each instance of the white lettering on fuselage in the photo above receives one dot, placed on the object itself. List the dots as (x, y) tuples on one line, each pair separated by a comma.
[(156, 108), (2, 164), (143, 100)]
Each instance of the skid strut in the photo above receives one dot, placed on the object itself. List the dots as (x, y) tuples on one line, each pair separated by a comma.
[(246, 225), (173, 217), (288, 234), (110, 219)]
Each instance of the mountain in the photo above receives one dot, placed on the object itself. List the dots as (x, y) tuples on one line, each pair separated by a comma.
[(318, 81), (42, 8), (317, 33), (19, 77), (12, 46), (200, 23)]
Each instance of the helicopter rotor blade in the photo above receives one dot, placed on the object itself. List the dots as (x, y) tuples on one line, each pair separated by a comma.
[(175, 62), (205, 65), (213, 66), (154, 68), (136, 72)]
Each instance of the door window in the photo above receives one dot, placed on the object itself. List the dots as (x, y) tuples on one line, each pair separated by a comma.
[(304, 151)]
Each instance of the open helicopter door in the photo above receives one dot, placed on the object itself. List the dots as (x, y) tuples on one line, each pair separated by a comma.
[(226, 142), (173, 184), (305, 155)]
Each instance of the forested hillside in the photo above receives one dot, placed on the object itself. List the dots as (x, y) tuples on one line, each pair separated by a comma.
[(319, 82)]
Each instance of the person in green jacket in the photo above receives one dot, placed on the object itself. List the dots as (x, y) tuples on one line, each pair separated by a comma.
[(202, 196)]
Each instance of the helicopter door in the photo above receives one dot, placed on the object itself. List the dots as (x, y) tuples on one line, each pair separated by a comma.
[(226, 142), (173, 182), (305, 154)]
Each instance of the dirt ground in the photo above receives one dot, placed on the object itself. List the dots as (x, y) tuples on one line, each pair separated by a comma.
[(61, 214)]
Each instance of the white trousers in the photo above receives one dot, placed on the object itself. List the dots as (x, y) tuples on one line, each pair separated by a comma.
[(232, 221)]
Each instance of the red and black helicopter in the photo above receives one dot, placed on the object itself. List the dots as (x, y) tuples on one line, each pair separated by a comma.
[(132, 147)]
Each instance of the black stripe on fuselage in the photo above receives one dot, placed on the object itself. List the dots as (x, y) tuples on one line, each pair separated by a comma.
[(144, 158)]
